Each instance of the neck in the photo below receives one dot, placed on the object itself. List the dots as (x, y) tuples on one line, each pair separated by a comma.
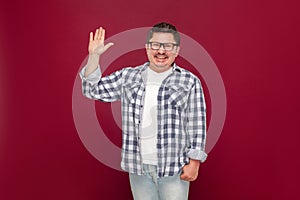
[(159, 69)]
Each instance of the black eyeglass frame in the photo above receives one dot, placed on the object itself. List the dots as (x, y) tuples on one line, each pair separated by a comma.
[(162, 44)]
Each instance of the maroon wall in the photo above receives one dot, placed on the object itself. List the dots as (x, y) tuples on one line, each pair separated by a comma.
[(255, 45)]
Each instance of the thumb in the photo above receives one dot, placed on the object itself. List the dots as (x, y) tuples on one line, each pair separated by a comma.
[(183, 176), (108, 45)]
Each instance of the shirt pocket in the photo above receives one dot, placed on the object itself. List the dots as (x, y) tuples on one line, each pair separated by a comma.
[(130, 91), (177, 95)]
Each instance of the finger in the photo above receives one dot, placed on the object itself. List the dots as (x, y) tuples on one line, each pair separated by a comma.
[(195, 177), (102, 37), (183, 176), (185, 179), (100, 33), (96, 34), (91, 36), (107, 46)]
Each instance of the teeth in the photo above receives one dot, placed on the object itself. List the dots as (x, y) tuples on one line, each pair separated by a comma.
[(158, 56)]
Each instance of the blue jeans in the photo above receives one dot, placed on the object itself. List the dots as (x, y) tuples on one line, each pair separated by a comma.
[(150, 187)]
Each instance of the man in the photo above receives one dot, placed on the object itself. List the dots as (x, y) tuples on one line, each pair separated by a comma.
[(163, 115)]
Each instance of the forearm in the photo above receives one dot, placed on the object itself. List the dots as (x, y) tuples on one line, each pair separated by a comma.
[(92, 64), (197, 139), (106, 89), (196, 125)]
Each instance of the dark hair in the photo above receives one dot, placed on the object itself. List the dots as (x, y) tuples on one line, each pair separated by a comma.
[(164, 27)]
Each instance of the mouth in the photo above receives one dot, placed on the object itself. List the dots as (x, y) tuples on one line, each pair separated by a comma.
[(161, 57)]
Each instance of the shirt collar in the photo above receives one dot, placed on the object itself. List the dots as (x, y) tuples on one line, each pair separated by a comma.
[(145, 65)]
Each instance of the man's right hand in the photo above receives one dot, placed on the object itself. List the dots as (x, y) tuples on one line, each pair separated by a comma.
[(96, 48), (96, 44)]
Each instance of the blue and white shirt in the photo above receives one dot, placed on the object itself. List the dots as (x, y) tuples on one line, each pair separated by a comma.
[(181, 115)]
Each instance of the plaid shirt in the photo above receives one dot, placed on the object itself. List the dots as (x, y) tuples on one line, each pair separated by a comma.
[(181, 115)]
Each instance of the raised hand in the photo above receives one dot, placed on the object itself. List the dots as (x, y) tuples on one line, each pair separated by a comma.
[(96, 48), (96, 43)]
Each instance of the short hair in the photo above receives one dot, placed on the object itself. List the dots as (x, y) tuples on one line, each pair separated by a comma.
[(164, 27)]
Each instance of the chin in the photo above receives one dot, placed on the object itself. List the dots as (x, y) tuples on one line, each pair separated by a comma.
[(161, 64)]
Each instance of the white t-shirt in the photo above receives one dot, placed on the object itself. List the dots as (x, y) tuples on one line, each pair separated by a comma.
[(149, 119)]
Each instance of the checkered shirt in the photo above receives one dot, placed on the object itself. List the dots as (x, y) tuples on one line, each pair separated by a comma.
[(181, 115)]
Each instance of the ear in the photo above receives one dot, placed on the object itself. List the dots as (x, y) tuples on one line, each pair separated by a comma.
[(177, 51), (147, 48)]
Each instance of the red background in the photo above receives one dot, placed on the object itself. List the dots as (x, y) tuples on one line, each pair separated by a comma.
[(255, 45)]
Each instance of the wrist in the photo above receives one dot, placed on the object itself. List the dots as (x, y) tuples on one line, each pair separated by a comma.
[(194, 162), (96, 55), (92, 63)]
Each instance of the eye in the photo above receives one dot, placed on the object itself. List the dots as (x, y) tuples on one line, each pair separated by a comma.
[(155, 45), (168, 45)]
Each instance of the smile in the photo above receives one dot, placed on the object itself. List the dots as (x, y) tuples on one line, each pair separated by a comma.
[(161, 57)]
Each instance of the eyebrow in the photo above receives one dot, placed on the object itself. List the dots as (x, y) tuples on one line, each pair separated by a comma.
[(164, 42)]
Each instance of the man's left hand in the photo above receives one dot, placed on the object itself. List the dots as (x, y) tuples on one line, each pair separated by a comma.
[(190, 171)]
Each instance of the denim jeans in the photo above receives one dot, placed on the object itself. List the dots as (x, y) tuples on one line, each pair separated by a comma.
[(150, 187)]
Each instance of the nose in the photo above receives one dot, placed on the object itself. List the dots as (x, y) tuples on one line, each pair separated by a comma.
[(161, 49)]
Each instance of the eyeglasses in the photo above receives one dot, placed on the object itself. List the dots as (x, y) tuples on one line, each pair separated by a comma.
[(166, 46)]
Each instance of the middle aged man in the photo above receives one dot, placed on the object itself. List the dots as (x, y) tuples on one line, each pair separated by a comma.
[(163, 115)]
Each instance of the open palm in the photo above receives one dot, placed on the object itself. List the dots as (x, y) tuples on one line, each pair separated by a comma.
[(96, 43)]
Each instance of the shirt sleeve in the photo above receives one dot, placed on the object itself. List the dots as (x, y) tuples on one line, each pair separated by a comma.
[(106, 88), (92, 78), (196, 123)]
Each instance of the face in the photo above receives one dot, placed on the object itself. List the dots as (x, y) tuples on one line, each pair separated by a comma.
[(161, 60)]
